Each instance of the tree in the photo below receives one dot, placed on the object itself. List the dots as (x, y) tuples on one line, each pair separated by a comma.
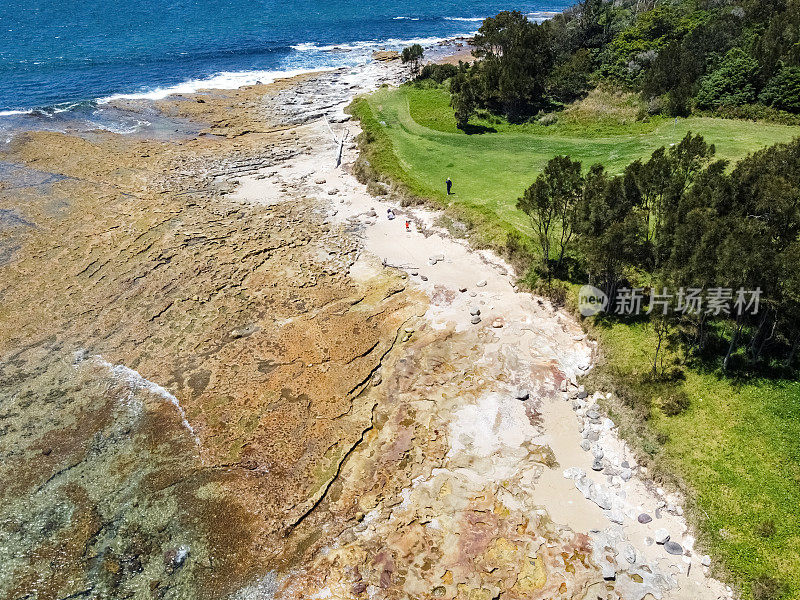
[(413, 54), (516, 59), (610, 232), (462, 96), (552, 202), (732, 84), (783, 90)]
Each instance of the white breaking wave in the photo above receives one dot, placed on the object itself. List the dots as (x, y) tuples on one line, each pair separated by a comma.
[(406, 19), (367, 44), (224, 80), (8, 113), (135, 382), (469, 19)]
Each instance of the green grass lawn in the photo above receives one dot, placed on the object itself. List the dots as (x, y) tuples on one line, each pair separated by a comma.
[(738, 449), (738, 445), (490, 171)]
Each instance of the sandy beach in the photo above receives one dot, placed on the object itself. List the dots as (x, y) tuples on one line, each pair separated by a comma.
[(230, 375)]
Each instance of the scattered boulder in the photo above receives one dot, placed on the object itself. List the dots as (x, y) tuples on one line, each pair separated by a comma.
[(498, 323), (644, 518), (597, 465), (582, 395), (462, 289), (481, 283), (475, 311), (705, 560), (673, 547), (320, 181), (661, 536), (475, 320), (522, 394), (616, 516)]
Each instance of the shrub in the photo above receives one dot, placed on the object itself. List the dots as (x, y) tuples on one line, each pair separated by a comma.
[(768, 588), (783, 90), (549, 119), (438, 73), (731, 84), (766, 529), (675, 403)]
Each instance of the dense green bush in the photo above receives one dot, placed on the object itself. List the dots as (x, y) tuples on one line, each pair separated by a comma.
[(783, 90), (438, 73), (731, 84)]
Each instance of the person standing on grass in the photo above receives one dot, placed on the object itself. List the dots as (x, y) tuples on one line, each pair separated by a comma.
[(449, 185)]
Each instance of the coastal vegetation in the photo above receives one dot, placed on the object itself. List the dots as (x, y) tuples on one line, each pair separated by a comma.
[(654, 146)]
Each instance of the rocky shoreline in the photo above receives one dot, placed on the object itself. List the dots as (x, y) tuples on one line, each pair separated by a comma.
[(225, 374)]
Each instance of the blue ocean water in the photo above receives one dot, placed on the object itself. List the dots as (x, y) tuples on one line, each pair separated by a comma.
[(56, 53)]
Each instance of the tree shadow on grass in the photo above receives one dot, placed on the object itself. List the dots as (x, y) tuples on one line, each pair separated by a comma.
[(470, 129)]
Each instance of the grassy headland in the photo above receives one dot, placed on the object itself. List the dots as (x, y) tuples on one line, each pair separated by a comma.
[(734, 448), (413, 139)]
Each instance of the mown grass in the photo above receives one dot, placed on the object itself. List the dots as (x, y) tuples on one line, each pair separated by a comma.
[(737, 447), (419, 144)]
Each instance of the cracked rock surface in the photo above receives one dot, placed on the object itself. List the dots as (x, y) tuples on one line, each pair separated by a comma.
[(220, 380)]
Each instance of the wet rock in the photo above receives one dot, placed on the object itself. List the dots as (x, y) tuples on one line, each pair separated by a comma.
[(174, 559), (661, 536), (673, 547), (644, 518)]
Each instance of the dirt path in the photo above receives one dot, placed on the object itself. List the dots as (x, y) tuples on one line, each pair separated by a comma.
[(511, 484)]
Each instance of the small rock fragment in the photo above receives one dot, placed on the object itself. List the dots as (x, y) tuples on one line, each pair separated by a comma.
[(475, 320), (644, 518), (522, 394), (481, 283), (661, 536), (474, 311)]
